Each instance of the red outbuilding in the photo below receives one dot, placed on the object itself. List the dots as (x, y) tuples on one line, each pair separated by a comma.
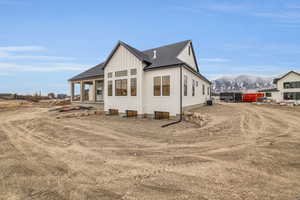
[(252, 97)]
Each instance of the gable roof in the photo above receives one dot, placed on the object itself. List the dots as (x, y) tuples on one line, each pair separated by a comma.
[(277, 79), (165, 56), (140, 55), (95, 71)]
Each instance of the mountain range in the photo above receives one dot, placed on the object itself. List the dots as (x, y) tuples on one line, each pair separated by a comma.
[(242, 82)]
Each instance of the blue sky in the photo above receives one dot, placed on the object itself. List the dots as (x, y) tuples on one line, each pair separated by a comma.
[(43, 43)]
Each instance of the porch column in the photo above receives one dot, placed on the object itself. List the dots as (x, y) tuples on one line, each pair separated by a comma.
[(94, 91), (81, 91), (72, 90)]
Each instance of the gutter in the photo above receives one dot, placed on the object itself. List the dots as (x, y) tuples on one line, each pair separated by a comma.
[(181, 109)]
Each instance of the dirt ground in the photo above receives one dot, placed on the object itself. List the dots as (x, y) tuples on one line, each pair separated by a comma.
[(244, 152)]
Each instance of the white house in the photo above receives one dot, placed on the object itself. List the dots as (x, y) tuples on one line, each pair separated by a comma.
[(287, 88), (163, 79)]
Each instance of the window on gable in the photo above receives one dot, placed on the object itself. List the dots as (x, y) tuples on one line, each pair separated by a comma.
[(121, 87), (185, 85), (121, 73), (166, 85), (157, 86), (109, 74), (189, 50), (193, 88), (133, 72), (133, 86)]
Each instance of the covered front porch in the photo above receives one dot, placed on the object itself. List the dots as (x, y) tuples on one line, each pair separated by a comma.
[(87, 91)]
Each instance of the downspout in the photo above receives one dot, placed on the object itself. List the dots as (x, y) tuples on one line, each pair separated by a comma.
[(181, 109)]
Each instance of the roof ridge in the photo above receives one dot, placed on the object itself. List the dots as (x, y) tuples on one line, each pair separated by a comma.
[(144, 56), (168, 45)]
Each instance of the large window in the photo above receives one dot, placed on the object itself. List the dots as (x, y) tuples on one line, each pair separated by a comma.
[(166, 85), (121, 87), (121, 73), (203, 89), (291, 96), (133, 86), (295, 84), (157, 85), (193, 88), (109, 87), (185, 85)]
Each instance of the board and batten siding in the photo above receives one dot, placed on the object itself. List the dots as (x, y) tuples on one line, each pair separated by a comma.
[(199, 98), (185, 57), (123, 59), (170, 103)]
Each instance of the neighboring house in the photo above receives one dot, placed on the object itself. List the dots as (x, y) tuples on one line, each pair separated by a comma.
[(162, 79), (287, 88)]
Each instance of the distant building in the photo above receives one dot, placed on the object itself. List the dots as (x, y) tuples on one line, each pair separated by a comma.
[(287, 88), (61, 96), (51, 96)]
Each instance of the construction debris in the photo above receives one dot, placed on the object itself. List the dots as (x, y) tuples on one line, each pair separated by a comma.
[(70, 108), (196, 118)]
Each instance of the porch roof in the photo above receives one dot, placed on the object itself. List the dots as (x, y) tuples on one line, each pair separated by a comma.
[(96, 71)]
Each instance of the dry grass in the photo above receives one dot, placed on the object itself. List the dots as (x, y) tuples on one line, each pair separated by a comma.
[(244, 152)]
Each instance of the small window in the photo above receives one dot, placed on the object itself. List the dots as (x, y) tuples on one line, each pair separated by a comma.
[(133, 86), (109, 87), (121, 87), (193, 88), (157, 85), (121, 73), (133, 72), (268, 94), (196, 83), (203, 89), (189, 50), (109, 74), (166, 85), (185, 85), (208, 90)]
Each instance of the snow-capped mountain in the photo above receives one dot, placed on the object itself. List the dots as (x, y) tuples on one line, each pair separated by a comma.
[(242, 82)]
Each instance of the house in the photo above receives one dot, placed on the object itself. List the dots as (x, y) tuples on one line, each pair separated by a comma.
[(163, 79), (287, 88)]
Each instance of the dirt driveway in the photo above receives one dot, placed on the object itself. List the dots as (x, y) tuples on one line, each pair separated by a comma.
[(245, 152)]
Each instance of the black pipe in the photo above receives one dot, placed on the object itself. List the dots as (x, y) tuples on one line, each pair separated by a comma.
[(181, 110)]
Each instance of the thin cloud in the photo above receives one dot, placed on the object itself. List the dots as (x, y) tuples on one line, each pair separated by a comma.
[(13, 67), (33, 57), (214, 60), (21, 48)]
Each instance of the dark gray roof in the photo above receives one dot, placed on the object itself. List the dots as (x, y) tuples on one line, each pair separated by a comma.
[(269, 90), (277, 79), (96, 71), (165, 56)]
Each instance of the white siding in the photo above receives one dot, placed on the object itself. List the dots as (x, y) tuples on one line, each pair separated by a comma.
[(199, 98), (289, 78), (123, 60), (170, 103), (185, 57)]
